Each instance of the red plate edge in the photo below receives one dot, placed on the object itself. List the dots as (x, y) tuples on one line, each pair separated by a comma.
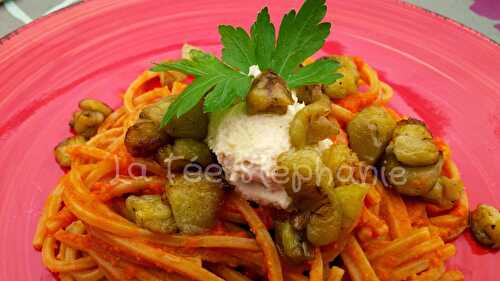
[(28, 100)]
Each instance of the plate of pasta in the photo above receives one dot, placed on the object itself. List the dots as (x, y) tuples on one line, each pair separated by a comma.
[(272, 140)]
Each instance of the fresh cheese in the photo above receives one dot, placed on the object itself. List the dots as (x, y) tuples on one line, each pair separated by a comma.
[(247, 147)]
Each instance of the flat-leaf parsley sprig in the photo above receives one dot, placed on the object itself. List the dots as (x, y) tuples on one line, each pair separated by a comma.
[(300, 36)]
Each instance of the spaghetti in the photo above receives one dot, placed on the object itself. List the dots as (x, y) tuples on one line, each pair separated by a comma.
[(83, 238)]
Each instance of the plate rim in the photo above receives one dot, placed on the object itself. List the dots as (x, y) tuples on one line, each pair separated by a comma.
[(417, 9), (443, 18)]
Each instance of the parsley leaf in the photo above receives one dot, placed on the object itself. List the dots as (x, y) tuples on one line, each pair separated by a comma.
[(319, 72), (224, 94), (186, 66), (201, 64), (239, 49), (301, 35), (189, 98), (210, 73), (242, 50), (264, 36)]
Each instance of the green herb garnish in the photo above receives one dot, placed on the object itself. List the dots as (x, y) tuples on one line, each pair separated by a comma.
[(300, 36)]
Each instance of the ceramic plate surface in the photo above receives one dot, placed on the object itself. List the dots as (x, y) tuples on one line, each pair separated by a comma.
[(443, 73)]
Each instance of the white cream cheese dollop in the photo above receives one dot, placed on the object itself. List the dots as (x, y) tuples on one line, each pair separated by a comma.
[(247, 147)]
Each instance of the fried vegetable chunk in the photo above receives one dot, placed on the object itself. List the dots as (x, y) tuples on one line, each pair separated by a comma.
[(192, 125), (156, 111), (85, 123), (412, 144), (305, 172), (193, 150), (62, 157), (92, 114), (194, 202), (311, 125), (184, 151), (336, 216), (96, 106), (342, 162), (370, 132), (308, 94), (411, 181), (144, 138), (268, 94), (415, 152), (412, 164), (485, 225), (348, 83), (310, 185), (351, 198), (150, 212), (445, 193), (291, 245), (325, 223)]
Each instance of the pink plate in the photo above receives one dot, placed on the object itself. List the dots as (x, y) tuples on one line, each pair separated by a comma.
[(443, 73)]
